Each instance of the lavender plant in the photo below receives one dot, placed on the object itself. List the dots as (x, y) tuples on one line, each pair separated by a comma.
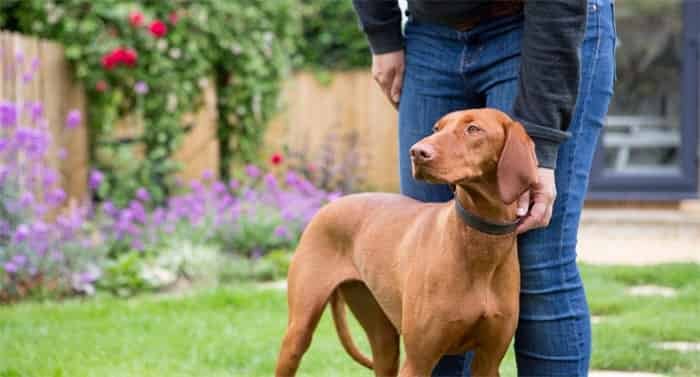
[(37, 255)]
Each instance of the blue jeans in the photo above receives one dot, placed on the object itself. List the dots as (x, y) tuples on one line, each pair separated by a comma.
[(447, 70)]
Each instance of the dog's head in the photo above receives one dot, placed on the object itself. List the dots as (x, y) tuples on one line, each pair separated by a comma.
[(475, 145)]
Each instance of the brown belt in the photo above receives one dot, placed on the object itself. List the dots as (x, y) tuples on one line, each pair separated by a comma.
[(490, 10)]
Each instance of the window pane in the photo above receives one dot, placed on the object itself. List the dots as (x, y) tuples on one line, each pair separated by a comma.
[(642, 134)]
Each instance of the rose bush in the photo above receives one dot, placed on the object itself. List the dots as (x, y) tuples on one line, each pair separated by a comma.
[(173, 48)]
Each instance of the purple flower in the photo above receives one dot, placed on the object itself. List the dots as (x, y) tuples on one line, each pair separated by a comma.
[(50, 177), (270, 181), (137, 244), (252, 171), (143, 195), (281, 232), (334, 195), (26, 199), (141, 87), (73, 118), (96, 179), (207, 175), (89, 276), (219, 187), (19, 260), (56, 196), (21, 233), (36, 110), (3, 144), (8, 114), (27, 77), (109, 208), (10, 268), (234, 184)]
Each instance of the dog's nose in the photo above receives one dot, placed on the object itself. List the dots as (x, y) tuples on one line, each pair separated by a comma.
[(422, 153)]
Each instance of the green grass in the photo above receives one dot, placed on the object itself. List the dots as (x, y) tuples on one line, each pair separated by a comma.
[(236, 331)]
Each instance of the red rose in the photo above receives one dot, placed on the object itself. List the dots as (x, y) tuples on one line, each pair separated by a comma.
[(136, 18), (129, 57), (101, 86), (276, 159), (109, 61), (158, 28), (173, 17)]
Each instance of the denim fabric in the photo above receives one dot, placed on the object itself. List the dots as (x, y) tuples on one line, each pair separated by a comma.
[(447, 70)]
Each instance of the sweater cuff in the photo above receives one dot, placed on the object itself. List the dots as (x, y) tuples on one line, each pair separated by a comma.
[(547, 141), (386, 40)]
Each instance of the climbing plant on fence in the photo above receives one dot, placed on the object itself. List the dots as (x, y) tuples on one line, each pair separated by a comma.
[(149, 59)]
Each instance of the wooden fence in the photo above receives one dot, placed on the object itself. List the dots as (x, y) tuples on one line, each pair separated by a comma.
[(53, 85), (351, 104)]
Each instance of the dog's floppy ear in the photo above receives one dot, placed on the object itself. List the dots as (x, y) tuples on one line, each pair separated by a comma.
[(517, 165)]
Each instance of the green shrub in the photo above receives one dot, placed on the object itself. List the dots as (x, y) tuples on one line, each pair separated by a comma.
[(332, 39), (123, 276), (237, 269), (280, 259)]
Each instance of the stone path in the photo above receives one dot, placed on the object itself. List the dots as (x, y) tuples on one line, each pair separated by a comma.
[(639, 237)]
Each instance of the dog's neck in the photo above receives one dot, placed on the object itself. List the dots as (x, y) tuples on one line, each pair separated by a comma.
[(482, 200)]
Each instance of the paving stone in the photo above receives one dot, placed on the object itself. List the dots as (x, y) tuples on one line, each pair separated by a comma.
[(679, 346), (651, 290), (280, 285)]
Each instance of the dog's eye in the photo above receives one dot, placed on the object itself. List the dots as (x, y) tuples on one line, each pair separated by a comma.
[(472, 129)]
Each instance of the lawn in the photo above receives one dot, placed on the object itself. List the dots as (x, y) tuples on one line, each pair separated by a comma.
[(235, 331)]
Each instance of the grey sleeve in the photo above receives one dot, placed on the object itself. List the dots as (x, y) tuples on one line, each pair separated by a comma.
[(381, 22), (549, 72)]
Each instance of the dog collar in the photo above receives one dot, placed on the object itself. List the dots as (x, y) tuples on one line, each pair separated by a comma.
[(482, 225)]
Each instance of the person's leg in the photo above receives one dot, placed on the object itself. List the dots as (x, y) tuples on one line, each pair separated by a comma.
[(554, 336), (432, 88)]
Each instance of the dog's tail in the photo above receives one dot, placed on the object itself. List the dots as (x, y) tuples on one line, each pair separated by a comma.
[(341, 326)]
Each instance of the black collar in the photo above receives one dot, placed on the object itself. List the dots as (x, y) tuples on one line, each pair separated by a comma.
[(482, 225)]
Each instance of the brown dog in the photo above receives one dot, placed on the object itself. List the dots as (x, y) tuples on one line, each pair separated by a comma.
[(444, 276)]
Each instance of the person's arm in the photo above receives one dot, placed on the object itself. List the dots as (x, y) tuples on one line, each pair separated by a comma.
[(547, 92), (549, 72), (381, 22)]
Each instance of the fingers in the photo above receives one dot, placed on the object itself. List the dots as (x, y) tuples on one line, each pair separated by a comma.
[(390, 82), (387, 71), (397, 84), (541, 212), (523, 204)]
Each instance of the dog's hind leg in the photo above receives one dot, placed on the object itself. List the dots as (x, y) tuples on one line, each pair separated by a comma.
[(311, 280), (381, 333)]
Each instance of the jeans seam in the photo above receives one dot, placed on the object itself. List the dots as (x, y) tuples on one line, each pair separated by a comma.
[(585, 103)]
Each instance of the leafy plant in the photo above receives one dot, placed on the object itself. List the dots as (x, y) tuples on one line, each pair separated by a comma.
[(124, 275), (332, 38)]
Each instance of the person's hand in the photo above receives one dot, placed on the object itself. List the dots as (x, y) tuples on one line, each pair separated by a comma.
[(541, 195), (387, 71)]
